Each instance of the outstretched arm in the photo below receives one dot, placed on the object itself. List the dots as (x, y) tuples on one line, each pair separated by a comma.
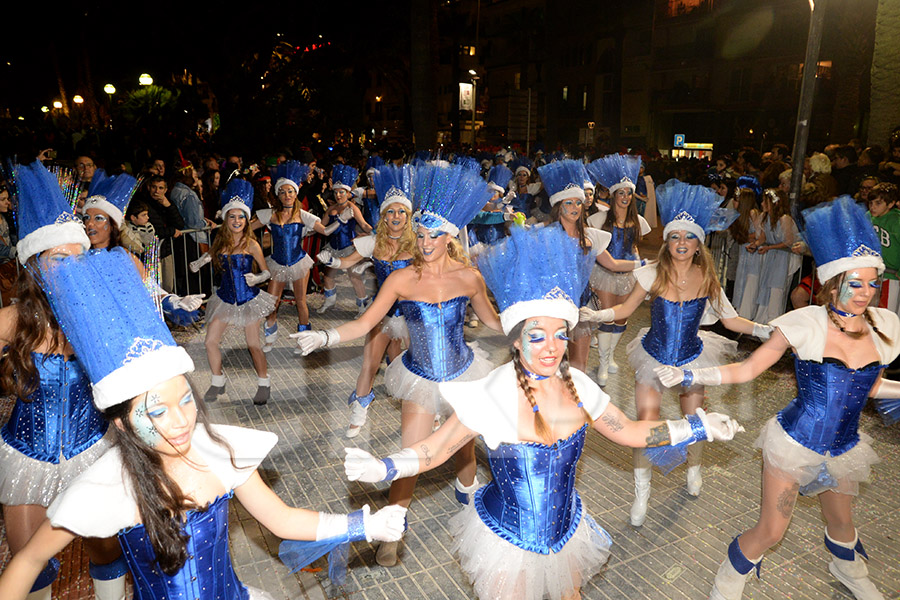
[(614, 425), (619, 311), (27, 564), (605, 260)]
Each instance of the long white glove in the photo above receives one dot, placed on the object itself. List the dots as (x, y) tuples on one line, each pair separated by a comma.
[(762, 331), (386, 525), (328, 260), (888, 388), (196, 265), (308, 341), (712, 427), (189, 303), (359, 465), (604, 315), (255, 279), (671, 376)]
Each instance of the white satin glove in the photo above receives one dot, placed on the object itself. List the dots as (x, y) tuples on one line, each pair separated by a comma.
[(309, 341), (331, 227), (887, 388), (325, 258), (762, 331), (255, 279), (360, 267), (359, 465), (671, 376), (196, 265), (605, 315), (386, 525), (716, 428), (189, 303)]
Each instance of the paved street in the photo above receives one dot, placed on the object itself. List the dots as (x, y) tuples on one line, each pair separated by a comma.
[(674, 555)]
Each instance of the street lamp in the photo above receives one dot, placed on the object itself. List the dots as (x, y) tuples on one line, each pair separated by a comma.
[(57, 104), (109, 88), (475, 79), (145, 79), (77, 99), (45, 109)]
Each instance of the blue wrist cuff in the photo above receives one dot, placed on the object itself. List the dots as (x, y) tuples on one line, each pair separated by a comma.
[(391, 469), (356, 528), (698, 431), (688, 380)]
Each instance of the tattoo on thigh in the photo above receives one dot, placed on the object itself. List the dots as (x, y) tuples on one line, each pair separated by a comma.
[(452, 449), (786, 500), (427, 452), (659, 436), (612, 422)]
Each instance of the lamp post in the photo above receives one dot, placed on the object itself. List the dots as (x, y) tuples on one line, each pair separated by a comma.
[(110, 89), (475, 79), (145, 79)]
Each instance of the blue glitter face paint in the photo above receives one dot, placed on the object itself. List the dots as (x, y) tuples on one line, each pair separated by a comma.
[(849, 287), (531, 335), (141, 419)]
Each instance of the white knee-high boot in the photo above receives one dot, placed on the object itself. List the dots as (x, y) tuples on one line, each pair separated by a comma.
[(694, 458), (733, 574), (604, 346), (643, 471), (848, 566), (617, 332), (109, 579)]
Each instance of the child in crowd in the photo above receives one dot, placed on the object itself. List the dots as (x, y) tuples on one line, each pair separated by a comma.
[(139, 223), (886, 219)]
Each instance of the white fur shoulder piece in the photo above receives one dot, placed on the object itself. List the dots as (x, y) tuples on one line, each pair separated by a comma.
[(365, 245)]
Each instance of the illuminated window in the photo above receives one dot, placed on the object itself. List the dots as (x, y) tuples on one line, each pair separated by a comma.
[(517, 80), (565, 93), (467, 50)]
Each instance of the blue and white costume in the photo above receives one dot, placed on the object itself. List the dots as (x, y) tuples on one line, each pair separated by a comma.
[(341, 239), (526, 535), (621, 247), (393, 323), (288, 261), (674, 336), (235, 302)]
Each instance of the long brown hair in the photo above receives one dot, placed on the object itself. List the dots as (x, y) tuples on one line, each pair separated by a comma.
[(778, 206), (665, 274), (405, 245), (740, 229), (295, 210), (579, 226), (224, 242), (632, 223), (35, 324), (160, 500), (826, 296)]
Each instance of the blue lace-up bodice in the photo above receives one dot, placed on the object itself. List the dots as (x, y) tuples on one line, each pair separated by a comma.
[(672, 338), (621, 246), (824, 416), (522, 203), (437, 347), (532, 502), (233, 288), (206, 575), (286, 239), (343, 236), (60, 418), (383, 268)]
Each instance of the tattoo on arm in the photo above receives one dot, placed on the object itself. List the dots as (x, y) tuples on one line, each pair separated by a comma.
[(452, 449), (659, 436), (427, 453), (786, 500), (612, 422)]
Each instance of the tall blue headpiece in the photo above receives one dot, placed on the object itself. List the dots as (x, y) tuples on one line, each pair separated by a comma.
[(393, 185), (133, 350), (238, 194), (446, 198), (563, 179), (521, 163), (111, 195), (841, 237), (498, 178), (291, 173), (615, 171), (343, 177), (44, 216), (372, 163), (692, 208), (468, 162), (536, 272), (749, 182)]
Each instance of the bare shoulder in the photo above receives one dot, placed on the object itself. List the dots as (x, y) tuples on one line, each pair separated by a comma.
[(8, 317)]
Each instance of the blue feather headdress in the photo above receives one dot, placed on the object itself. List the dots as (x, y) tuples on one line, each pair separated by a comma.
[(563, 179), (372, 163), (111, 195), (692, 208), (749, 182), (343, 177), (133, 351), (538, 272), (468, 162), (498, 178), (44, 216), (238, 194), (841, 237), (446, 198), (393, 185), (291, 173), (615, 171), (522, 163)]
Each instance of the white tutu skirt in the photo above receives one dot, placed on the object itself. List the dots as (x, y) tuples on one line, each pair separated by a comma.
[(798, 463), (605, 280), (395, 327), (25, 480), (717, 351), (498, 569), (296, 271), (343, 253), (240, 314), (403, 384)]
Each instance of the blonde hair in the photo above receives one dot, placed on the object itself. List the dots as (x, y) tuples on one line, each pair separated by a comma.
[(665, 274), (405, 245), (454, 251)]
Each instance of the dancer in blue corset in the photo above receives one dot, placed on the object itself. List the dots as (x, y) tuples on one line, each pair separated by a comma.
[(433, 294), (526, 535), (347, 217), (390, 249), (813, 446), (237, 301), (685, 294), (54, 432), (289, 263), (163, 489)]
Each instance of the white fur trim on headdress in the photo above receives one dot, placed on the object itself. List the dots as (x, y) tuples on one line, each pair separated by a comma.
[(525, 169), (625, 183), (398, 198), (101, 203), (496, 187), (571, 191), (684, 225), (69, 231), (285, 181), (141, 374), (341, 186), (848, 263), (430, 217), (542, 307), (588, 185), (236, 203)]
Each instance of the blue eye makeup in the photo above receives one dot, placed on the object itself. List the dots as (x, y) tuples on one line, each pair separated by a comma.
[(854, 284), (536, 338), (691, 236), (156, 413), (562, 335), (188, 398)]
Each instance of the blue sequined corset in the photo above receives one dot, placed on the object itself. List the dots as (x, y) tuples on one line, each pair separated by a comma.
[(207, 574), (383, 268), (286, 239), (60, 418), (531, 502), (437, 347), (522, 203), (343, 236), (672, 339), (824, 417), (233, 288), (621, 246)]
